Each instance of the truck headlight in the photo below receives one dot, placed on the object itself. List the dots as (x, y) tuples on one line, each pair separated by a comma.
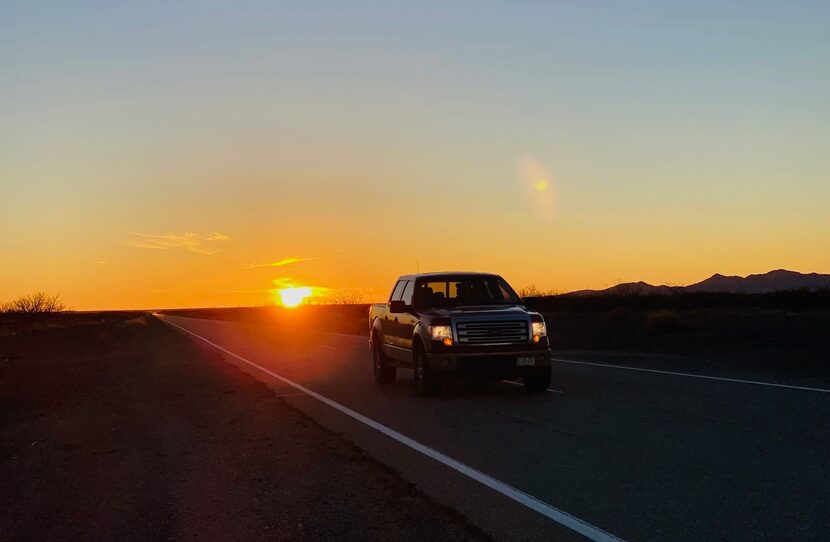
[(441, 333), (538, 330)]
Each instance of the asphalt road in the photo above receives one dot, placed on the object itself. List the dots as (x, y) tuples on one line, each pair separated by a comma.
[(606, 453)]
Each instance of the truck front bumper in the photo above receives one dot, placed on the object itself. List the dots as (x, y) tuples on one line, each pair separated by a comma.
[(490, 364)]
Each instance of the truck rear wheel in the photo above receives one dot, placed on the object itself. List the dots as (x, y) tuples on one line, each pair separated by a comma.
[(427, 382), (537, 382), (384, 373)]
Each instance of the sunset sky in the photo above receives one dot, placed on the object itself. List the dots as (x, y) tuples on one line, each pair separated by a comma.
[(203, 154)]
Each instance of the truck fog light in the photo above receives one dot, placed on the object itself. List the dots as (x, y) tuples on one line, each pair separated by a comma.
[(540, 360), (445, 362)]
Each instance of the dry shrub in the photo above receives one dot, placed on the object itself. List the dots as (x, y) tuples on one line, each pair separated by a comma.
[(346, 297), (534, 291), (36, 303)]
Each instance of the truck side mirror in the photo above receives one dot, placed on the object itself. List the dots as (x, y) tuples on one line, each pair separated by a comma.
[(397, 306)]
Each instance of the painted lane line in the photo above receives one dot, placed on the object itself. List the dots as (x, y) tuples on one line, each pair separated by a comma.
[(559, 516), (691, 375), (520, 384)]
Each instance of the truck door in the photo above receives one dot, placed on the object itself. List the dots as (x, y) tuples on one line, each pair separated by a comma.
[(389, 323), (408, 320)]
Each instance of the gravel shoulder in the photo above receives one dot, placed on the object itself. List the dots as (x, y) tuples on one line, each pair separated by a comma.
[(113, 426)]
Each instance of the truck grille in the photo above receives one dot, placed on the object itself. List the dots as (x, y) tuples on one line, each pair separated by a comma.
[(493, 332)]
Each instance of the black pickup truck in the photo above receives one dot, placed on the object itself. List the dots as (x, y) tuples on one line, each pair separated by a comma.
[(445, 325)]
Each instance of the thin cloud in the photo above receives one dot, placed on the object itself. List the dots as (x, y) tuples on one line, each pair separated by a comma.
[(192, 242), (282, 282), (279, 263), (243, 291)]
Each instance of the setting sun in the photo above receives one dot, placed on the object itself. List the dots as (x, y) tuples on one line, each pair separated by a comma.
[(293, 297)]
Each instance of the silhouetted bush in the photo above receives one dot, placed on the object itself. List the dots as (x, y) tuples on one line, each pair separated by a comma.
[(346, 297), (36, 303), (533, 292)]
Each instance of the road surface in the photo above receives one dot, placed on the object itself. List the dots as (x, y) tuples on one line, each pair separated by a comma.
[(606, 454)]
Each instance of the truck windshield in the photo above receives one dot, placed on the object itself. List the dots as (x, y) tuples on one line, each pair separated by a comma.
[(456, 291)]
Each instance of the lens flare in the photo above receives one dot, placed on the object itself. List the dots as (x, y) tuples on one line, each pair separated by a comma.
[(293, 297), (539, 186)]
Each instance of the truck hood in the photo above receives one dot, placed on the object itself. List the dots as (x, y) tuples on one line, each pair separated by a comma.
[(482, 310)]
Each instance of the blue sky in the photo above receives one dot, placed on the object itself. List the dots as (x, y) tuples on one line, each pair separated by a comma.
[(681, 139)]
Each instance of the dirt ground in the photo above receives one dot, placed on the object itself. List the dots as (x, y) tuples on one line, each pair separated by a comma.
[(115, 427)]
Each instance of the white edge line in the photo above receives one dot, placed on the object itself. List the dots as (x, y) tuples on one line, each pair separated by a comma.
[(690, 375), (520, 384), (559, 516)]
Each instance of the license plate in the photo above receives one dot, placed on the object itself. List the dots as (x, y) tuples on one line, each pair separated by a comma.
[(524, 361)]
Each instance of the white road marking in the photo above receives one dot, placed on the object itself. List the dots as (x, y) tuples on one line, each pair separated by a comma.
[(520, 384), (559, 516), (329, 347), (691, 375)]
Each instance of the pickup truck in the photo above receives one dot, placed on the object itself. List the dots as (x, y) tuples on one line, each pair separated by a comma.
[(445, 325)]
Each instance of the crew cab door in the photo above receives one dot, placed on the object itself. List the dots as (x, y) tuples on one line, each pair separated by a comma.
[(389, 323), (407, 320)]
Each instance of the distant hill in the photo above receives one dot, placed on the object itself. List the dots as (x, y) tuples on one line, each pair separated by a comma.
[(631, 288), (774, 281)]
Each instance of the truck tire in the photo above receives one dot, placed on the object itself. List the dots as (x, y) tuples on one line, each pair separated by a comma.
[(426, 381), (384, 373), (537, 382)]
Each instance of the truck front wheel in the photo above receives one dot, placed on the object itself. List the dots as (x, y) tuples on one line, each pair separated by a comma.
[(426, 381), (384, 373)]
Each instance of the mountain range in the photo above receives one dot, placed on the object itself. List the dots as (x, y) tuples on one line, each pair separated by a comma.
[(774, 281)]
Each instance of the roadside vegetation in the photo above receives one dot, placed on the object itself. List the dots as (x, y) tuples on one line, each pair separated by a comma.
[(533, 291), (36, 303)]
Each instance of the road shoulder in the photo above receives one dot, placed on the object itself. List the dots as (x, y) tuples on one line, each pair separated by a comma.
[(123, 428)]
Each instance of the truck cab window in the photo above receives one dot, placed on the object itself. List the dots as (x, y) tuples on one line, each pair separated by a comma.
[(398, 291), (408, 292), (464, 291)]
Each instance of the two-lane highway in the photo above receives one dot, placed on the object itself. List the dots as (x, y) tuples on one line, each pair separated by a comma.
[(611, 453)]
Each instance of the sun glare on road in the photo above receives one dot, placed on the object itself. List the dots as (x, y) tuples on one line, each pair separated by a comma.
[(293, 297)]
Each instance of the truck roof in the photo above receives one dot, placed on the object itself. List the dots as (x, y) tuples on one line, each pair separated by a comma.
[(414, 276)]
